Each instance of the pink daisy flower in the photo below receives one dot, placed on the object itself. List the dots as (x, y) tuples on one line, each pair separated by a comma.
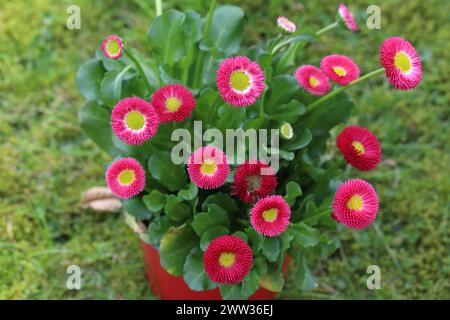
[(340, 69), (240, 81), (286, 24), (112, 47), (348, 18), (402, 63), (312, 80), (227, 259), (360, 147), (270, 216), (208, 168), (134, 121), (253, 179), (355, 204), (125, 177), (173, 103)]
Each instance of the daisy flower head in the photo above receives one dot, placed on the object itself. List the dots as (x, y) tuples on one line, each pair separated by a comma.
[(173, 102), (347, 17), (134, 121), (227, 259), (340, 69), (355, 204), (208, 168), (312, 79), (240, 81), (286, 25), (270, 216), (402, 63), (360, 147), (125, 177), (253, 178), (112, 47)]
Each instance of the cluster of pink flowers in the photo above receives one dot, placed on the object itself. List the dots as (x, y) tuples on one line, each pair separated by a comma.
[(337, 68), (240, 82), (399, 58)]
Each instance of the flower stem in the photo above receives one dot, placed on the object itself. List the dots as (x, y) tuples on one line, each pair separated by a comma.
[(201, 56), (321, 214), (320, 101), (158, 7), (209, 19), (329, 27), (138, 67)]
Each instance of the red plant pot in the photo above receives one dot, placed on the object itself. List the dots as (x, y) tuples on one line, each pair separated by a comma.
[(167, 287)]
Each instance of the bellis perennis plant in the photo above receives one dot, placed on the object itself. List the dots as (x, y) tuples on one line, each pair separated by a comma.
[(232, 221)]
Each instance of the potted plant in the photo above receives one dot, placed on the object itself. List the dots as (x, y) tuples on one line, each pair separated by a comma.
[(220, 221)]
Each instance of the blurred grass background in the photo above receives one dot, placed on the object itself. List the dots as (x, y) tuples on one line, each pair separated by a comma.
[(46, 161)]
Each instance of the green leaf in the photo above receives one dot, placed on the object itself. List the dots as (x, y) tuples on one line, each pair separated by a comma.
[(89, 77), (95, 122), (167, 36), (301, 139), (158, 228), (265, 62), (190, 193), (161, 168), (304, 279), (241, 234), (325, 117), (293, 190), (111, 87), (222, 200), (155, 200), (250, 284), (227, 28), (213, 217), (206, 108), (304, 235), (255, 239), (136, 208), (271, 248), (194, 272), (175, 209), (282, 91), (192, 26), (287, 112), (231, 292), (260, 264), (255, 123), (175, 245), (273, 279), (211, 234), (230, 117)]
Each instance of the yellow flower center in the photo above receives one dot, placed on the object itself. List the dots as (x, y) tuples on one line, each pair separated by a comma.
[(313, 81), (402, 62), (286, 131), (208, 167), (355, 202), (359, 147), (113, 47), (135, 120), (239, 80), (173, 104), (270, 215), (226, 259), (126, 177), (341, 72)]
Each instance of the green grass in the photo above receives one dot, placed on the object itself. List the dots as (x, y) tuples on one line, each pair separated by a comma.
[(46, 161)]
